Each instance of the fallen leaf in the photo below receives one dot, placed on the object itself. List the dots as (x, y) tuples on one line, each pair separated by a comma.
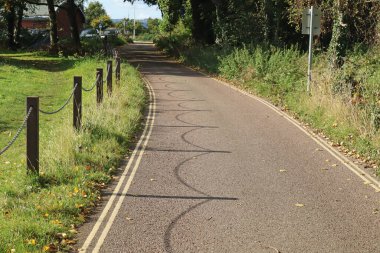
[(62, 235), (73, 231), (68, 242), (299, 205), (31, 242), (49, 248)]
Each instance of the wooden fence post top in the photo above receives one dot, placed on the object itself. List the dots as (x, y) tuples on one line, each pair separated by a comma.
[(33, 98)]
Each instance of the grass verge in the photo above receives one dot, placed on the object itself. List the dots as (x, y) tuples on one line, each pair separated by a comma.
[(41, 213), (344, 106)]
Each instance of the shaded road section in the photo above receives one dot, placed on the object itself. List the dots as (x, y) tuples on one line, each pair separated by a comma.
[(222, 172)]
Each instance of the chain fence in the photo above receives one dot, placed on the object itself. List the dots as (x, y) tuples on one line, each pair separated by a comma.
[(93, 86), (30, 110), (63, 106), (2, 151)]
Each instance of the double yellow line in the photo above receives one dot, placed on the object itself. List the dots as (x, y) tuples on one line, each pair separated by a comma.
[(135, 159)]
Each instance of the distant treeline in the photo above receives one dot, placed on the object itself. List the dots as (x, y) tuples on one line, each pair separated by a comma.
[(274, 22)]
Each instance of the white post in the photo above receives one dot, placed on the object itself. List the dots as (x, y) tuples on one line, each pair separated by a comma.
[(134, 23), (310, 48)]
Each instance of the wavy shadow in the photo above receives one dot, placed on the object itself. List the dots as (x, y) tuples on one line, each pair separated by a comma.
[(183, 138), (168, 232), (177, 117), (182, 181), (177, 170)]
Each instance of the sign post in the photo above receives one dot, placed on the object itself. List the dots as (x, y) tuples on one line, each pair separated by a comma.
[(311, 24)]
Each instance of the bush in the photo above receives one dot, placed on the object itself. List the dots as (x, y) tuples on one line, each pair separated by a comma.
[(94, 45), (146, 37)]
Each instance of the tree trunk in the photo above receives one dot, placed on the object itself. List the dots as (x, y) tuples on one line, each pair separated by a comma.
[(53, 27), (203, 14), (269, 18), (10, 17), (338, 44), (71, 12), (221, 12), (20, 14)]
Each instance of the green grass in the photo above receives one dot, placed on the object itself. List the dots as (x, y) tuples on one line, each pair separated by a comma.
[(36, 212), (279, 75)]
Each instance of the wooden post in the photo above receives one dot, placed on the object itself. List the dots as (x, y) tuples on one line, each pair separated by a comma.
[(77, 101), (32, 135), (118, 62), (109, 78), (99, 86)]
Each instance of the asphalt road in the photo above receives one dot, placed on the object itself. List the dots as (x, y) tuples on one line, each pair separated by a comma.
[(219, 171)]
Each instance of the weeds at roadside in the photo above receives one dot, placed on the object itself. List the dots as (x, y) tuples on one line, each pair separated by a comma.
[(42, 213), (345, 103)]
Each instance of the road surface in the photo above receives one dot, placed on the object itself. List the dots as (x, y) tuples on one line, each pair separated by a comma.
[(219, 171)]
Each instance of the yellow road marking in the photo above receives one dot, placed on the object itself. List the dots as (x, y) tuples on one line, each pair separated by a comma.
[(148, 128)]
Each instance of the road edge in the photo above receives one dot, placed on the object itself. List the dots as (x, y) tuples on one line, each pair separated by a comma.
[(345, 161), (134, 159)]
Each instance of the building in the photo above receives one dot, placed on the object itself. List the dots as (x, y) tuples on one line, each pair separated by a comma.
[(38, 18)]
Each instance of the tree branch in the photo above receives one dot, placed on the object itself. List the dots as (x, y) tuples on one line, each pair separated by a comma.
[(41, 4)]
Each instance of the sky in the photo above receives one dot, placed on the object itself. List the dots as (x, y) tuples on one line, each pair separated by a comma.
[(118, 9)]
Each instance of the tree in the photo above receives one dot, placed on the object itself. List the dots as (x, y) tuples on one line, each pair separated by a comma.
[(93, 11), (105, 20), (53, 27), (153, 26), (71, 12)]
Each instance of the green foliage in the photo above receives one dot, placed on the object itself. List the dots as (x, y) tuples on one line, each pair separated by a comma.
[(93, 11), (94, 45), (104, 20), (171, 10), (74, 165), (345, 102), (153, 26), (126, 26)]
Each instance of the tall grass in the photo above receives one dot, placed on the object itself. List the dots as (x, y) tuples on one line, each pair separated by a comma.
[(41, 213)]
